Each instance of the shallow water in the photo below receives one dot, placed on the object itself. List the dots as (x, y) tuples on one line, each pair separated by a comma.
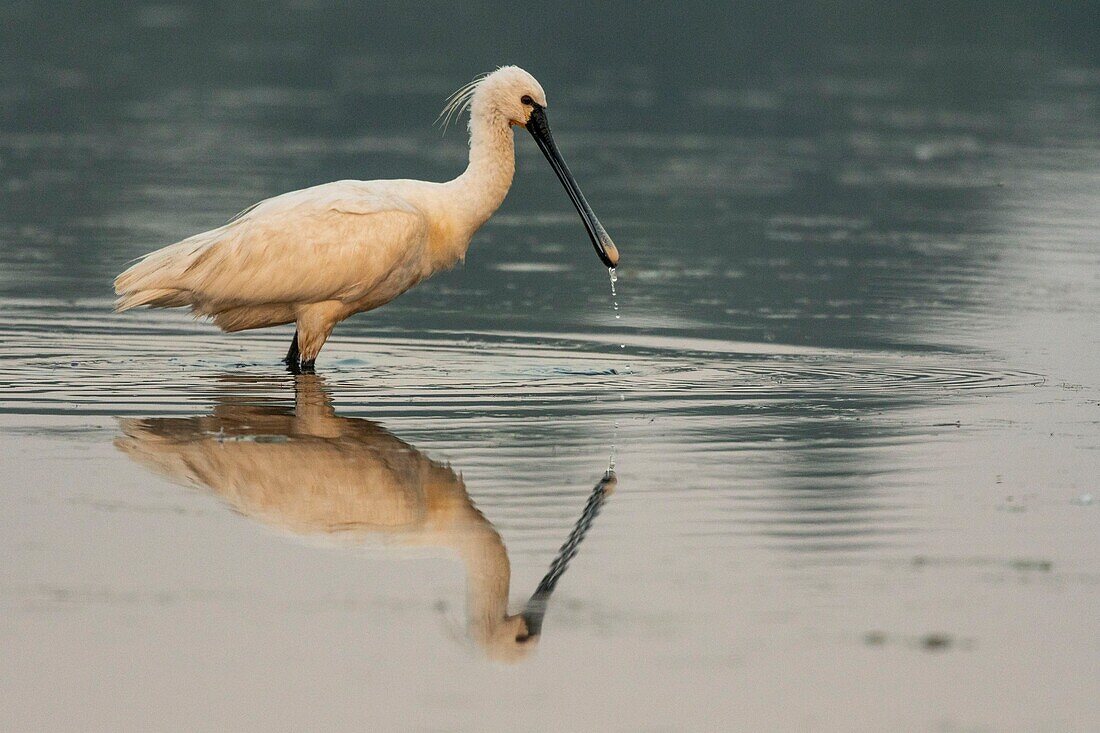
[(852, 400)]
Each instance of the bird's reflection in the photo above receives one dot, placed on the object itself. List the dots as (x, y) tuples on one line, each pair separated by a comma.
[(310, 471)]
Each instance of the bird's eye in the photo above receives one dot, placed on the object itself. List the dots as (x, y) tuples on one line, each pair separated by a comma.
[(526, 99)]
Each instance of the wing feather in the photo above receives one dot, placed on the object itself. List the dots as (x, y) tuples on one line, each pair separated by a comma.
[(337, 241)]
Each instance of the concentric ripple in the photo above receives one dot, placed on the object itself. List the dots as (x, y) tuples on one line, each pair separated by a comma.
[(84, 360)]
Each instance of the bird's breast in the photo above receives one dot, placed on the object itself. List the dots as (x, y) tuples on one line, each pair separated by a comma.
[(447, 244)]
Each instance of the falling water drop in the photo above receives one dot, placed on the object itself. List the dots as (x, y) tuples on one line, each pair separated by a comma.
[(614, 296), (614, 448), (614, 277)]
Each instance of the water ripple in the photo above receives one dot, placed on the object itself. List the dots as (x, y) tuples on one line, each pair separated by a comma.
[(107, 364)]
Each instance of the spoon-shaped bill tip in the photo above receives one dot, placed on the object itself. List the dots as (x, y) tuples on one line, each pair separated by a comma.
[(608, 483), (608, 251)]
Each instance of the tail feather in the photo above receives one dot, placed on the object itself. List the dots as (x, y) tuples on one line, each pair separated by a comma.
[(154, 298), (158, 279)]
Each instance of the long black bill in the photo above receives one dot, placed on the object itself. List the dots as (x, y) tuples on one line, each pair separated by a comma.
[(539, 128), (535, 611)]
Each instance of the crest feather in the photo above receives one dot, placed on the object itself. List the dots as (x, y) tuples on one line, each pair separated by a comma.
[(459, 101)]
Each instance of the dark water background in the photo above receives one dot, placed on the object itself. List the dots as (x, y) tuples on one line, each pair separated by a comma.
[(852, 396)]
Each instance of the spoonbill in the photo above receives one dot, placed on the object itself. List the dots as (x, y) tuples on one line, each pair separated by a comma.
[(351, 482), (316, 256)]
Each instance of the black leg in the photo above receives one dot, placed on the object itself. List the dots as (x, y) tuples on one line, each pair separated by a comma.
[(307, 366), (293, 354)]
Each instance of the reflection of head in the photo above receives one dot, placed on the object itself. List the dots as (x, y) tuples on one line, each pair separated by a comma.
[(307, 470)]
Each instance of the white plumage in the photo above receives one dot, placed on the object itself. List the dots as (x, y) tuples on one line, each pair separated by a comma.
[(342, 478), (316, 256)]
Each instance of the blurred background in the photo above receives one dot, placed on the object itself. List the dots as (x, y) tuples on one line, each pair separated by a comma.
[(851, 387), (852, 123)]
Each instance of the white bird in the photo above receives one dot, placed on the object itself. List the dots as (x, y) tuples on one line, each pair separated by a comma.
[(311, 472), (316, 256)]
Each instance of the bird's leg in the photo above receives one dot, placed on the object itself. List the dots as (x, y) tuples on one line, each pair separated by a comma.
[(315, 323), (293, 354)]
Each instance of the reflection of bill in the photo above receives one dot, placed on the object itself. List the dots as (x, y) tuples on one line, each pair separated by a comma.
[(536, 606), (309, 471)]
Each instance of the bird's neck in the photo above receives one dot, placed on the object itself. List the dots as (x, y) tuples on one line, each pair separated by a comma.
[(481, 189), (488, 573), (488, 576)]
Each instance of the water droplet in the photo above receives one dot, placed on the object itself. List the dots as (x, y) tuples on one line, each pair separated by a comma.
[(613, 276), (614, 296)]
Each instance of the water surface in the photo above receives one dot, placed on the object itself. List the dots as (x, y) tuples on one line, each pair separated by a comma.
[(852, 398)]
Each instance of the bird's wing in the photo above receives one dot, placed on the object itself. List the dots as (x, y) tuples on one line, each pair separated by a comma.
[(332, 242)]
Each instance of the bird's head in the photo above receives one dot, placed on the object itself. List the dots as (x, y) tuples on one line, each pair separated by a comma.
[(509, 93), (509, 640), (511, 96)]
